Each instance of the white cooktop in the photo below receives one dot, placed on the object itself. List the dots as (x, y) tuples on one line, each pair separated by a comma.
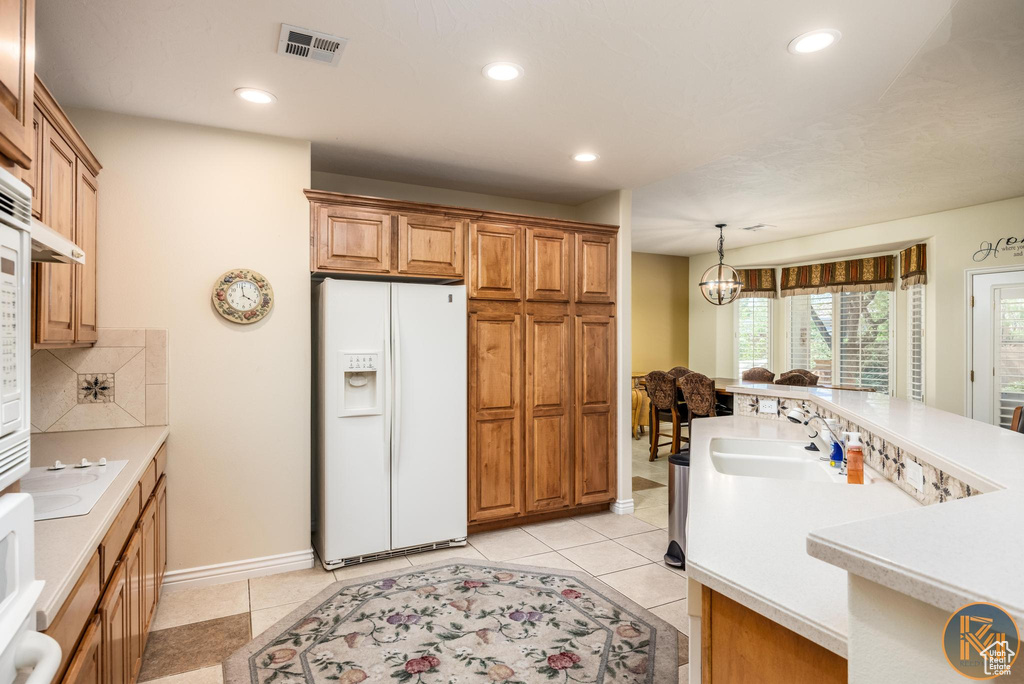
[(68, 492)]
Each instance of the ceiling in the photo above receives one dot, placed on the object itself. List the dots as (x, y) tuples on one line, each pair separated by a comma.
[(695, 104)]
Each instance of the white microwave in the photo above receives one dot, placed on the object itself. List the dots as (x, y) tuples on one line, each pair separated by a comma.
[(15, 323)]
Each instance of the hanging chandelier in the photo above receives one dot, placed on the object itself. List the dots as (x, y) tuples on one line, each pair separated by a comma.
[(720, 284)]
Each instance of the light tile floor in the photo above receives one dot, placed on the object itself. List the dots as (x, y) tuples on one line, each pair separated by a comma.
[(623, 551)]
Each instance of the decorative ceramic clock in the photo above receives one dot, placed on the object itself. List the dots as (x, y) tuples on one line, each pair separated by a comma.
[(243, 296)]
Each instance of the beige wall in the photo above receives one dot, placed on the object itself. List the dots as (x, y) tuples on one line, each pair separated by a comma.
[(661, 309), (952, 237), (352, 185), (179, 205)]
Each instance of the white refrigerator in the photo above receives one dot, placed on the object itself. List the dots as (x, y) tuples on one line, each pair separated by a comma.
[(390, 456)]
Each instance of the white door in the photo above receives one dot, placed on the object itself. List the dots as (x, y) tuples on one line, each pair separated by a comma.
[(354, 458), (997, 343), (428, 491)]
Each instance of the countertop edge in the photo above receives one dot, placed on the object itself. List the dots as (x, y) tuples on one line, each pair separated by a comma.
[(46, 612), (809, 629)]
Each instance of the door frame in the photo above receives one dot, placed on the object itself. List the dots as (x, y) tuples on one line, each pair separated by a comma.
[(969, 275)]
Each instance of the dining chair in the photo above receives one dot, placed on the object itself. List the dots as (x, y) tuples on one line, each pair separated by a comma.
[(1017, 422), (758, 374), (798, 377), (661, 388), (699, 395)]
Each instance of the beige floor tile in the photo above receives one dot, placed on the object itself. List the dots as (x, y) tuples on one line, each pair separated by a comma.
[(649, 585), (206, 675), (263, 619), (614, 525), (650, 498), (656, 517), (505, 544), (182, 606), (650, 545), (562, 534), (363, 569), (467, 552), (551, 559), (603, 557), (674, 614), (287, 587)]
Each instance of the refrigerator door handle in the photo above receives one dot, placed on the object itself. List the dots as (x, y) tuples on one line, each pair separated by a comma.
[(396, 364)]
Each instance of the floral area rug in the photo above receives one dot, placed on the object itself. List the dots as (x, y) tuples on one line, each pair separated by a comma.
[(455, 622)]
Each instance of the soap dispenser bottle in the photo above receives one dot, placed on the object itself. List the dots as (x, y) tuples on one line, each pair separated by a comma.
[(836, 456), (854, 458)]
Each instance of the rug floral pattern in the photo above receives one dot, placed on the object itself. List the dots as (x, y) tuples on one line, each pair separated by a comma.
[(462, 622)]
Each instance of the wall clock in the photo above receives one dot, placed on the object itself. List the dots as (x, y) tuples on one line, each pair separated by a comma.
[(243, 296)]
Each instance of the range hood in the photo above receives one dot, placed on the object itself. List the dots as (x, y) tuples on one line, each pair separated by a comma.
[(49, 245)]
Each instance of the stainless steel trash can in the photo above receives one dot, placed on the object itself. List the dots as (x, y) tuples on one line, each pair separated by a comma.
[(678, 498)]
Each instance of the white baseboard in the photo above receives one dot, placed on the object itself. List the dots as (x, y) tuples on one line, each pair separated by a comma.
[(622, 506), (239, 570)]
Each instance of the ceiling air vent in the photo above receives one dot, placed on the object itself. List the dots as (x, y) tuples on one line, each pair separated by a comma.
[(311, 45), (756, 227)]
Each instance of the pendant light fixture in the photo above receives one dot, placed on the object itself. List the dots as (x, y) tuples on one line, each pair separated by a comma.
[(720, 284)]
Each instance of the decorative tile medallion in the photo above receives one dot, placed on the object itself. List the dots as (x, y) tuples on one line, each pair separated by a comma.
[(463, 621), (885, 458), (95, 388)]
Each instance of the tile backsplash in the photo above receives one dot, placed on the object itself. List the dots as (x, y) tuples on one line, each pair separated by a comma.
[(883, 456), (121, 381)]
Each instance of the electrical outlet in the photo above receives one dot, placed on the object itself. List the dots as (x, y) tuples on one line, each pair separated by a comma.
[(915, 474), (768, 406)]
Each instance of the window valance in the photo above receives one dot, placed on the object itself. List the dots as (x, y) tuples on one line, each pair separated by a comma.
[(913, 266), (852, 275), (758, 282)]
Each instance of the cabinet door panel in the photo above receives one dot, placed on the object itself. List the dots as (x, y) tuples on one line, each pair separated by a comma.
[(113, 613), (595, 409), (547, 412), (547, 264), (495, 377), (134, 573), (494, 261), (150, 555), (17, 70), (161, 532), (55, 292), (349, 239), (35, 173), (595, 268), (87, 663), (430, 245), (86, 220)]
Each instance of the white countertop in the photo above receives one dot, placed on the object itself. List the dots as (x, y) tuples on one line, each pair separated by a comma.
[(946, 554), (747, 536), (64, 546)]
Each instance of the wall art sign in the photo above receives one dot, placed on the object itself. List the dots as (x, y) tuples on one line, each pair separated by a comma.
[(1004, 246)]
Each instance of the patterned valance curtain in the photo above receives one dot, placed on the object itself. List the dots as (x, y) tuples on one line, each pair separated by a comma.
[(853, 275), (758, 282), (913, 266)]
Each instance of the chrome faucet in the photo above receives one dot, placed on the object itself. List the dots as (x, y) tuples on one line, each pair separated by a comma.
[(819, 441)]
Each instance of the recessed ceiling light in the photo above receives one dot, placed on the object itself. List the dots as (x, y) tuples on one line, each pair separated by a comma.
[(255, 95), (812, 41), (585, 156), (503, 71)]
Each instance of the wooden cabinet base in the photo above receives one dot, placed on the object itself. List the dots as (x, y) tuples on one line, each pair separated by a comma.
[(536, 518), (739, 645)]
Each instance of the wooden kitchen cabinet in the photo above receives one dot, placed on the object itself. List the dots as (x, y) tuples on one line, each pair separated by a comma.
[(66, 197), (595, 268), (495, 399), (113, 614), (150, 558), (595, 408), (547, 264), (495, 261), (161, 531), (135, 577), (32, 177), (87, 664), (548, 464), (17, 67), (351, 239), (431, 245)]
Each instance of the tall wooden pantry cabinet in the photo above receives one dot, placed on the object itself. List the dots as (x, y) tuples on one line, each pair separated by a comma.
[(542, 330)]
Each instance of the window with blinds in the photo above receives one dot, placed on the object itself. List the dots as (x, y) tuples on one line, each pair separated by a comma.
[(753, 333), (810, 335), (1009, 369), (915, 343), (843, 338)]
